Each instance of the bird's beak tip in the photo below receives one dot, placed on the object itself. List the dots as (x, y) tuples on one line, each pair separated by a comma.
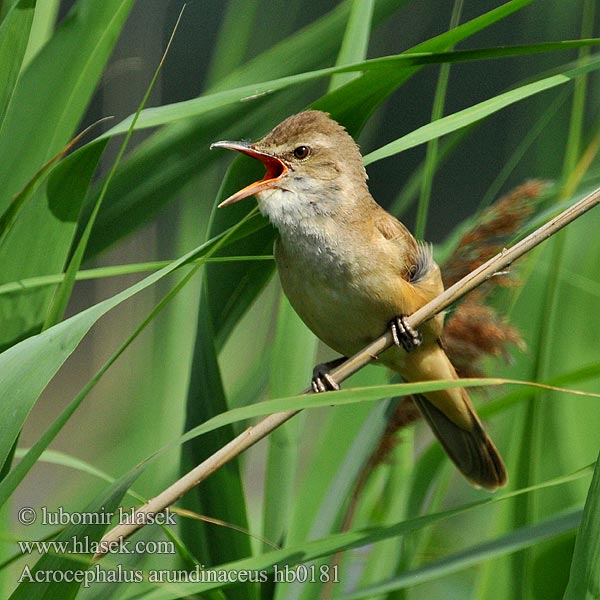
[(275, 169), (229, 145)]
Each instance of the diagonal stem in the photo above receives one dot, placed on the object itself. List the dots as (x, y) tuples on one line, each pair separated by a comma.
[(253, 434)]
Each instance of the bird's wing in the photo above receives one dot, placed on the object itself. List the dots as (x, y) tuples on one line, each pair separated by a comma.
[(421, 276)]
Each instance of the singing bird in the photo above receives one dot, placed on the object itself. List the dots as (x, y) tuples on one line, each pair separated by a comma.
[(350, 270)]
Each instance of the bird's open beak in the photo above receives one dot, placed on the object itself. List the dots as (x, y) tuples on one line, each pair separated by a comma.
[(275, 170)]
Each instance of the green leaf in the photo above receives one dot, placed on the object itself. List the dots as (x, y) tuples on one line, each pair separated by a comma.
[(239, 24), (206, 399), (343, 397), (296, 53), (354, 102), (327, 485), (294, 350), (356, 40), (58, 305), (38, 125), (388, 72), (518, 539), (17, 473), (584, 580), (77, 182), (39, 122), (42, 29), (14, 33), (232, 287), (475, 113), (110, 271)]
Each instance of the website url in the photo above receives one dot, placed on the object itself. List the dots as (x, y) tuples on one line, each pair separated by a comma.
[(87, 546)]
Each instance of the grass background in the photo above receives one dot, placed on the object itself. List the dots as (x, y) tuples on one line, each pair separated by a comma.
[(228, 339)]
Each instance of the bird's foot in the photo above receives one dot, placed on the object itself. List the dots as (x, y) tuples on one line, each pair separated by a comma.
[(404, 335), (321, 380)]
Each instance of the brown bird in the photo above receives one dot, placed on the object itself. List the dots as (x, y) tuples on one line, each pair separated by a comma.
[(350, 269)]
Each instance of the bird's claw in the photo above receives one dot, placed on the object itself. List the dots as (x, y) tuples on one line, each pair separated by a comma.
[(324, 383), (404, 335), (321, 380)]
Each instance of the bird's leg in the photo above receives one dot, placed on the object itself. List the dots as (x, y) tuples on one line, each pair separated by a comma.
[(321, 380), (404, 335)]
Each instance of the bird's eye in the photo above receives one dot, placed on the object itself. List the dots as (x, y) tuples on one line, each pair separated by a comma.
[(301, 152)]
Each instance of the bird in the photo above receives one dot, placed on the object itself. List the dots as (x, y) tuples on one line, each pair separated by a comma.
[(351, 270)]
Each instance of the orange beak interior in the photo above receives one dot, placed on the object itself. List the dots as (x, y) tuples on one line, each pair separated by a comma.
[(274, 166)]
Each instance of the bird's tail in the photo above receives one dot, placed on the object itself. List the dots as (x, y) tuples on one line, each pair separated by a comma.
[(471, 450)]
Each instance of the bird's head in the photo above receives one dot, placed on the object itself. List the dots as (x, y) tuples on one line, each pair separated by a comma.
[(312, 166)]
